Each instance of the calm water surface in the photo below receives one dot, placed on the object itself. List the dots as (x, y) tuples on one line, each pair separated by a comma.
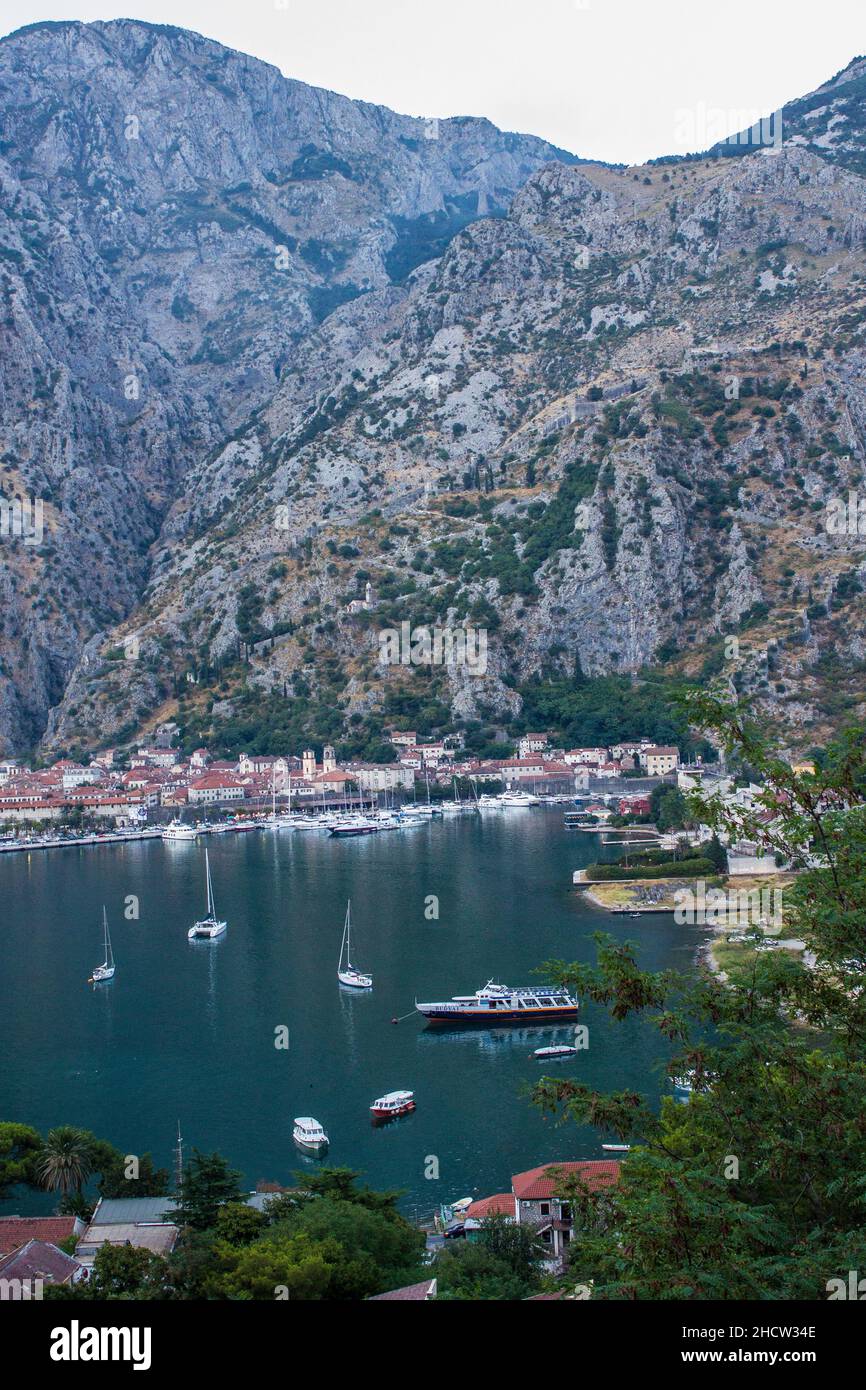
[(187, 1030)]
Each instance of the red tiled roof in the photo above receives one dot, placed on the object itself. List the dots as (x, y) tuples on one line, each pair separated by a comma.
[(486, 1206), (542, 1182), (215, 780), (17, 1230)]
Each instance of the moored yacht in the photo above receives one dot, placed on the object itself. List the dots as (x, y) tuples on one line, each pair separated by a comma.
[(353, 825), (177, 830), (209, 926), (517, 799), (105, 971), (347, 974), (495, 1004), (395, 1103), (309, 1134)]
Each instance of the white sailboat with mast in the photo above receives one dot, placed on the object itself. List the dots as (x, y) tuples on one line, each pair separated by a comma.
[(209, 926), (105, 971), (346, 972)]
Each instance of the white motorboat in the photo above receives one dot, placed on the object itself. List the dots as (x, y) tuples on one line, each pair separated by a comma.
[(512, 800), (353, 825), (105, 971), (558, 1050), (346, 972), (308, 1134), (209, 926), (395, 1103), (176, 830)]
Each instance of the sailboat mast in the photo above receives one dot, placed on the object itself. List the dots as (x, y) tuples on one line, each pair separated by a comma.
[(109, 959), (178, 1159), (210, 906)]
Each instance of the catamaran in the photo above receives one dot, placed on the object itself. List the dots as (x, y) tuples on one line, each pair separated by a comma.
[(105, 971), (208, 927), (346, 973)]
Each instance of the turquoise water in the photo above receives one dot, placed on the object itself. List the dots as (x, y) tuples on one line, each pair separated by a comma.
[(187, 1031)]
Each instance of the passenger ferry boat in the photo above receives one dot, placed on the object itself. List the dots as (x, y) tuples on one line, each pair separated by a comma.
[(496, 1004), (395, 1103)]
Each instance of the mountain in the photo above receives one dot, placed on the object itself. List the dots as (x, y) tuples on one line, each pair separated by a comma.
[(175, 219), (598, 412)]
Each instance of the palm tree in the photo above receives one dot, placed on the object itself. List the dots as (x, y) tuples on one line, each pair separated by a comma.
[(65, 1162)]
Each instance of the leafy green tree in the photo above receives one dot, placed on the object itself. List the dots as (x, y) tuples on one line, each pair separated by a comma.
[(112, 1165), (119, 1272), (472, 1272), (715, 851), (20, 1146), (208, 1183), (284, 1266), (754, 1188), (239, 1224)]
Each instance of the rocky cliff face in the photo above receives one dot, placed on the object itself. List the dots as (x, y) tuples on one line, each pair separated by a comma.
[(175, 219), (605, 423)]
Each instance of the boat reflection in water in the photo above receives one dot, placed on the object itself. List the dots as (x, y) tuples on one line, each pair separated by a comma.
[(497, 1040)]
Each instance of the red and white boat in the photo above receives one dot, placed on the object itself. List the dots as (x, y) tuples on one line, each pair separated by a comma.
[(393, 1104)]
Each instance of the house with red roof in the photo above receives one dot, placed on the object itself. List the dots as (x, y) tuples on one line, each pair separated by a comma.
[(16, 1231), (536, 1200)]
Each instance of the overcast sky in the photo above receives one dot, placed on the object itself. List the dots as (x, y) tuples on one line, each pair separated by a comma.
[(620, 80)]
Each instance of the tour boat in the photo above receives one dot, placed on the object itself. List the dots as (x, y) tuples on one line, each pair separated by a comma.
[(346, 973), (177, 830), (684, 1083), (495, 1004), (308, 1134), (208, 927), (560, 1050), (393, 1104), (105, 971)]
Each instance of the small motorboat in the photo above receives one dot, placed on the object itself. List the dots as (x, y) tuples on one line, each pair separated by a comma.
[(617, 1148), (308, 1134), (395, 1103), (559, 1050)]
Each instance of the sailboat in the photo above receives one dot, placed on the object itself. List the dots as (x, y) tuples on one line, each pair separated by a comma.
[(208, 927), (347, 974), (106, 970)]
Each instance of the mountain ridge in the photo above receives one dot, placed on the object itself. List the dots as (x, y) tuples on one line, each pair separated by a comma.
[(519, 421)]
